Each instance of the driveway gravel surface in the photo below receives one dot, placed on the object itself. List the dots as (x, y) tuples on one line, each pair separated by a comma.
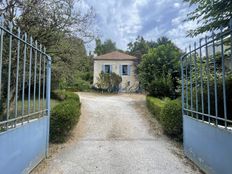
[(116, 135)]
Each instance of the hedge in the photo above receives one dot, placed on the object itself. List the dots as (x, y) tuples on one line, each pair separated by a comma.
[(168, 113), (64, 95), (155, 105), (171, 118), (64, 116)]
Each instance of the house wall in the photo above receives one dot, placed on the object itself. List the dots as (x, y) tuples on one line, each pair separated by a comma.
[(116, 69)]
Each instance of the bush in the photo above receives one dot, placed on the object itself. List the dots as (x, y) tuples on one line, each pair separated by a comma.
[(171, 118), (161, 88), (80, 85), (109, 82), (212, 99), (155, 105), (64, 116), (64, 95)]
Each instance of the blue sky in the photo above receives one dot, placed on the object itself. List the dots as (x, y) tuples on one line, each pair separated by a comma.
[(123, 20)]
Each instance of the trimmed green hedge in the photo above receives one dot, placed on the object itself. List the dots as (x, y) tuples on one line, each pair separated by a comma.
[(168, 113), (155, 105), (171, 118), (64, 116)]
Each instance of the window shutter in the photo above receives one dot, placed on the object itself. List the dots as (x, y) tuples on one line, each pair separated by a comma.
[(103, 68), (120, 70), (129, 70), (110, 68)]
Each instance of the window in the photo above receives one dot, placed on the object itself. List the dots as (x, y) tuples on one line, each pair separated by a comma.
[(107, 69), (125, 70)]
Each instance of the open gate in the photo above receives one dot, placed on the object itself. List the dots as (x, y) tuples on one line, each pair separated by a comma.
[(25, 78), (207, 102)]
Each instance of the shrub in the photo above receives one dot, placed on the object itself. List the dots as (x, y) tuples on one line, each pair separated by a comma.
[(171, 118), (220, 103), (160, 88), (64, 95), (155, 105), (109, 82), (80, 85), (64, 116)]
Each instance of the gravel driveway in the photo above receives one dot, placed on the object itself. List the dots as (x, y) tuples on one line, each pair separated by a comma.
[(115, 135)]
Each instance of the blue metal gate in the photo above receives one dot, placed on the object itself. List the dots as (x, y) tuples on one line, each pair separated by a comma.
[(25, 78), (207, 101)]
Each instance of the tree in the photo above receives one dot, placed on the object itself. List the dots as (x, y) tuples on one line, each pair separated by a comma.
[(107, 47), (158, 70), (211, 14), (138, 48), (57, 25)]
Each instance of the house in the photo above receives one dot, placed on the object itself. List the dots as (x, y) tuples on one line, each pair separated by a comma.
[(121, 64)]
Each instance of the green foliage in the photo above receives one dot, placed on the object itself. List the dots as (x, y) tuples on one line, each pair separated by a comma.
[(168, 113), (161, 88), (75, 65), (64, 116), (79, 85), (59, 27), (155, 105), (109, 82), (107, 47), (220, 104), (138, 48), (64, 95), (171, 118), (160, 67), (211, 14)]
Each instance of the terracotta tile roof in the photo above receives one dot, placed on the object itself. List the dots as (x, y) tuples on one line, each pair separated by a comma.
[(116, 55)]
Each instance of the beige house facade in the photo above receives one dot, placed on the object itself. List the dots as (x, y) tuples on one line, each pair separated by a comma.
[(121, 64)]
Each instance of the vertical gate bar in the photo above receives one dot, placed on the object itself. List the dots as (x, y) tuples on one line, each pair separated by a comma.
[(186, 81), (196, 74), (202, 94), (1, 51), (17, 77), (208, 75), (35, 73), (182, 85), (24, 73), (223, 77), (9, 75), (29, 82), (48, 91), (231, 42), (215, 79), (40, 61), (191, 80), (44, 71)]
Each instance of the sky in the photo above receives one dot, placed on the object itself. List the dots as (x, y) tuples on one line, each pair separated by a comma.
[(123, 20)]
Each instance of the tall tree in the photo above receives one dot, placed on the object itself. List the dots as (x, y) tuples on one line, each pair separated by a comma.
[(55, 24), (158, 70), (106, 47), (211, 14), (138, 48)]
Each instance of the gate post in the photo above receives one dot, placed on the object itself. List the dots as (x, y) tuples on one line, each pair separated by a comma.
[(48, 95)]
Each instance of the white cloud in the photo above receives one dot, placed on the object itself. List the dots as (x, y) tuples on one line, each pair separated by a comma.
[(123, 20), (177, 5)]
